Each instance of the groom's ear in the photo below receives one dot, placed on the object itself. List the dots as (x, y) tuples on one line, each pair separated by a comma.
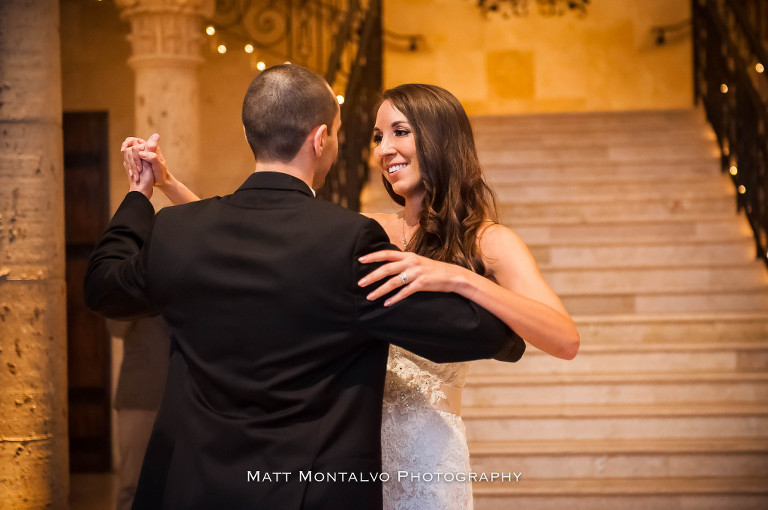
[(319, 139)]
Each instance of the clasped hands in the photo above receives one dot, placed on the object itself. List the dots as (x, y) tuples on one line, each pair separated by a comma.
[(144, 164)]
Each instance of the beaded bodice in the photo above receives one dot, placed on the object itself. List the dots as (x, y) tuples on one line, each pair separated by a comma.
[(420, 436), (415, 381)]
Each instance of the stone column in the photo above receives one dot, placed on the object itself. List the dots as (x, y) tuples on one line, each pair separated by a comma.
[(34, 463), (166, 37)]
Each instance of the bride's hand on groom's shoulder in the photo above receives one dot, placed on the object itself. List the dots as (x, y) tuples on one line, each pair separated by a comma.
[(409, 272)]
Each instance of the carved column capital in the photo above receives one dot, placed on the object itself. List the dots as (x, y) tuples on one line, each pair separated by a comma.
[(204, 8), (165, 33)]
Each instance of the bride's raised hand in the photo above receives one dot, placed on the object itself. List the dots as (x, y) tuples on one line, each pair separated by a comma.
[(131, 160), (409, 272)]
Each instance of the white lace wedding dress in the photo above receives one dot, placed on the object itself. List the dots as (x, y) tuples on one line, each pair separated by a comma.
[(423, 436)]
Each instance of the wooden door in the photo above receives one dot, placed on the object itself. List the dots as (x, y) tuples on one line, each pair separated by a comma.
[(86, 184)]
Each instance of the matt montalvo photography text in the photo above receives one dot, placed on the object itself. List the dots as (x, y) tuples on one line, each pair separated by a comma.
[(352, 477)]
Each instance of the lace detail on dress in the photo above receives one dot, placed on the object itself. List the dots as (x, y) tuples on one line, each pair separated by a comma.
[(418, 439)]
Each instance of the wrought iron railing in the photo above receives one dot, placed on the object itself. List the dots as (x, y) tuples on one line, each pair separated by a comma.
[(730, 80), (357, 64), (340, 39)]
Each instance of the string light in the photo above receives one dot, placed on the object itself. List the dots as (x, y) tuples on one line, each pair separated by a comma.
[(734, 170), (221, 49), (759, 68), (261, 66), (724, 88), (210, 30), (249, 48), (340, 99), (742, 189)]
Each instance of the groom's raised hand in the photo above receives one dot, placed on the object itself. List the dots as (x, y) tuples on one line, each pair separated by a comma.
[(152, 157), (139, 179), (145, 183)]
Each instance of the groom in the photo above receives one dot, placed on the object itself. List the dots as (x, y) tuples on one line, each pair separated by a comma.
[(277, 363)]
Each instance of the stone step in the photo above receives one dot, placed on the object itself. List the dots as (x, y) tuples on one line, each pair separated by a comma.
[(655, 278), (669, 221), (668, 328), (668, 493), (524, 126), (630, 458), (600, 231), (582, 122), (683, 137), (623, 252), (733, 299), (588, 155), (616, 421), (597, 172), (716, 187), (656, 210), (628, 388), (636, 358), (587, 206), (615, 147)]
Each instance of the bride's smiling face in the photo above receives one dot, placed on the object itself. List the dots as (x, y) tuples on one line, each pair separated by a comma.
[(395, 150)]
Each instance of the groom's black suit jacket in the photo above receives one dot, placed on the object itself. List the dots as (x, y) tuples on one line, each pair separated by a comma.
[(278, 360)]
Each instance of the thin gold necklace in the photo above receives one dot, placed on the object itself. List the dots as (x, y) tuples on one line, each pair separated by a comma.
[(405, 241)]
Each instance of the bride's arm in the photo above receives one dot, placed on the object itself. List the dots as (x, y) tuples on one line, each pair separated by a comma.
[(521, 299), (176, 191), (145, 155)]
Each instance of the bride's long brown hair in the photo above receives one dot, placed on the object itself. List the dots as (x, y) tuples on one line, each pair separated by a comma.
[(457, 201)]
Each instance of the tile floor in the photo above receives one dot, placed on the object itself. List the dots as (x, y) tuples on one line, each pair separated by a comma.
[(92, 491)]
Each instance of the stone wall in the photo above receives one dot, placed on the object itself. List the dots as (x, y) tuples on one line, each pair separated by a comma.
[(607, 60), (34, 460)]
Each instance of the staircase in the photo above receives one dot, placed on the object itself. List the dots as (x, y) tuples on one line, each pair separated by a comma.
[(666, 405)]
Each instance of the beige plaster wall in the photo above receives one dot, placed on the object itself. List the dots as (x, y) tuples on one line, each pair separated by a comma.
[(226, 159), (605, 61), (95, 75)]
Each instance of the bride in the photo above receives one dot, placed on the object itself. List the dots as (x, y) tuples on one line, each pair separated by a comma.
[(451, 243)]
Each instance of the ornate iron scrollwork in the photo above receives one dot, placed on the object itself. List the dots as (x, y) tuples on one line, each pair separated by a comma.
[(545, 7), (341, 39)]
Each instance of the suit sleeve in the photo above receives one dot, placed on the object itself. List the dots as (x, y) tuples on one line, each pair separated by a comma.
[(443, 327), (116, 278)]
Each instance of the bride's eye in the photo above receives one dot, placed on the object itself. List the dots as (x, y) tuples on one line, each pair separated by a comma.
[(377, 138), (402, 132)]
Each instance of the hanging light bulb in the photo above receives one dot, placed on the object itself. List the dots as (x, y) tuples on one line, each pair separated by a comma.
[(340, 99), (724, 88), (249, 48), (261, 66), (221, 49), (210, 30)]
